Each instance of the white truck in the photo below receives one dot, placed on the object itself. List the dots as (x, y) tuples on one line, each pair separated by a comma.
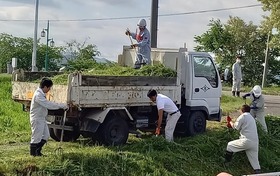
[(108, 108)]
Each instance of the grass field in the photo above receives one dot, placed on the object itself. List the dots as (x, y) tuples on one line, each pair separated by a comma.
[(148, 156), (272, 90)]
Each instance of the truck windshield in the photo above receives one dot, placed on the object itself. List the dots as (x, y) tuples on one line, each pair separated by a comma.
[(204, 67)]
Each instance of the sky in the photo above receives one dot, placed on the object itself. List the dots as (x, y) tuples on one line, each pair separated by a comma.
[(91, 21)]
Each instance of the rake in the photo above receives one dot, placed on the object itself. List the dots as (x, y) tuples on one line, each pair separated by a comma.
[(59, 150)]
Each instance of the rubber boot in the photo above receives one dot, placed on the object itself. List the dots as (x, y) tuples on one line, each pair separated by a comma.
[(257, 171), (238, 94), (228, 156), (233, 93), (33, 149), (39, 147)]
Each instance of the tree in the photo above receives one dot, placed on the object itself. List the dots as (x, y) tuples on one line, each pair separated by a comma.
[(270, 24), (80, 56), (216, 40), (236, 38), (21, 48)]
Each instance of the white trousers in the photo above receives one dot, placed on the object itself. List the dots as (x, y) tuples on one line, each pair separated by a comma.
[(171, 122), (251, 148), (260, 118), (236, 85), (39, 130)]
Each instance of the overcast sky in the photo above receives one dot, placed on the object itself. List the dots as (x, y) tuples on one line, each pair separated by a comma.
[(108, 35)]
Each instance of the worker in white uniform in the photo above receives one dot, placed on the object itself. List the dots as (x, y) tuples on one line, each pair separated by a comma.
[(165, 104), (38, 113), (236, 77), (257, 105), (226, 74), (248, 140), (142, 36)]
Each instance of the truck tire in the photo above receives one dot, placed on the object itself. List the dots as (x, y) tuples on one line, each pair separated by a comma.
[(114, 131), (196, 123), (53, 136), (67, 135)]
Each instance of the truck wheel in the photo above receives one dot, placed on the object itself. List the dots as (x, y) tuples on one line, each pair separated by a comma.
[(67, 135), (114, 131), (52, 134), (197, 123)]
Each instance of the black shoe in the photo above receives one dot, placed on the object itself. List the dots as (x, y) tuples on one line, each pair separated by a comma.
[(257, 171), (34, 149), (233, 93), (228, 156), (39, 147), (238, 94)]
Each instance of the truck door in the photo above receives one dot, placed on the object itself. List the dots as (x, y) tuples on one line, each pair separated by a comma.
[(206, 83)]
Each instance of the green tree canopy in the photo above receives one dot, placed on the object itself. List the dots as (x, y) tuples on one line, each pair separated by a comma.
[(80, 56), (21, 48), (236, 37)]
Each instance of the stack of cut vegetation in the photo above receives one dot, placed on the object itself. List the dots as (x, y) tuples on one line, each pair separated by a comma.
[(116, 70)]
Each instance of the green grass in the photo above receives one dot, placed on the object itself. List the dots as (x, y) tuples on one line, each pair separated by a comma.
[(11, 115), (230, 104), (148, 156), (272, 90)]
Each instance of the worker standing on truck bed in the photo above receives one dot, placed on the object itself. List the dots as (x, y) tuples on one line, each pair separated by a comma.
[(248, 140), (164, 103), (38, 113), (142, 36)]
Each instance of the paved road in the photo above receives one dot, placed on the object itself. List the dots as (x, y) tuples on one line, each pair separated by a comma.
[(272, 103)]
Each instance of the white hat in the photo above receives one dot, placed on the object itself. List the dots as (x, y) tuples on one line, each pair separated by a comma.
[(142, 23), (257, 91)]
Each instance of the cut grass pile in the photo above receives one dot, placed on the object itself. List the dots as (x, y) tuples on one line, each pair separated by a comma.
[(116, 70)]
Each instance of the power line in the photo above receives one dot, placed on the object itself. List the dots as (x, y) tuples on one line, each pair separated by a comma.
[(215, 10), (137, 17)]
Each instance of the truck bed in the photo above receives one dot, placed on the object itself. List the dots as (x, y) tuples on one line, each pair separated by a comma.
[(101, 91)]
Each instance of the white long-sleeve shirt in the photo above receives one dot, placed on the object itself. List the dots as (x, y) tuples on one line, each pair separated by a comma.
[(236, 71), (246, 124), (40, 105), (144, 46)]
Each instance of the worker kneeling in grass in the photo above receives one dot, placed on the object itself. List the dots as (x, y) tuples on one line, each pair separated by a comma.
[(248, 141), (164, 103)]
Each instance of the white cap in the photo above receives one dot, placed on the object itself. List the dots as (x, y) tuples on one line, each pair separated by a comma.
[(142, 23), (257, 91)]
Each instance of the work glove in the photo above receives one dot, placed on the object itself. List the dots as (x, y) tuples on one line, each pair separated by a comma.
[(254, 105), (127, 32), (157, 131), (229, 125), (133, 45), (228, 121)]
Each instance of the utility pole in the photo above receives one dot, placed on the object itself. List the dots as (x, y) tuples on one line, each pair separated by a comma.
[(154, 23), (34, 53), (266, 61), (43, 34)]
